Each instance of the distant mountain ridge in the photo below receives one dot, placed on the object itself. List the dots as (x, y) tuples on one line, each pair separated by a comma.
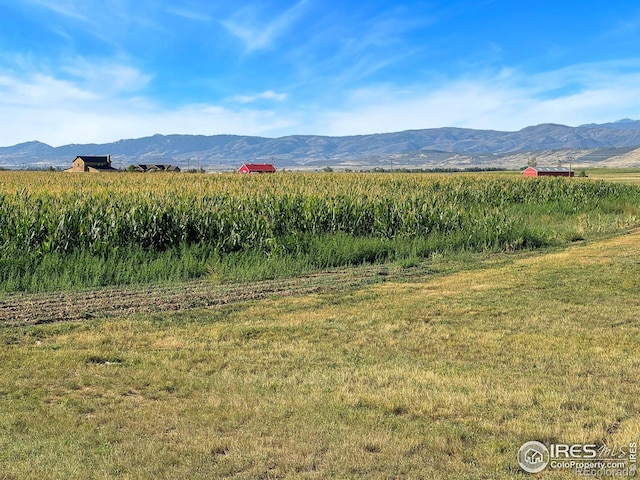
[(624, 124), (308, 151)]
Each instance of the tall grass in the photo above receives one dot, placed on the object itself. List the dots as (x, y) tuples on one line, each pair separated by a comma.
[(125, 226)]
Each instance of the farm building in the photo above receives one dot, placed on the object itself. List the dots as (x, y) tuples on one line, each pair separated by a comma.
[(257, 168), (156, 168), (91, 164), (547, 172)]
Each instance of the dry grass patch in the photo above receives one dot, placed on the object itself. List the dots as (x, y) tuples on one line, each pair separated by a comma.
[(619, 175)]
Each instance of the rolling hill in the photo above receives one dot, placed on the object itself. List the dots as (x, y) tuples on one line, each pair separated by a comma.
[(440, 147)]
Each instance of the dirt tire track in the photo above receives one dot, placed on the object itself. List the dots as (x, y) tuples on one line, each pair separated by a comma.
[(32, 309)]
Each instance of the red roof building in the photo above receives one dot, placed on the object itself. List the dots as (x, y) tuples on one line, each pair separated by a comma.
[(547, 172), (257, 168)]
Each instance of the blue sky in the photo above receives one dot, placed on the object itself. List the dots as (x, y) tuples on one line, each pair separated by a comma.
[(81, 71)]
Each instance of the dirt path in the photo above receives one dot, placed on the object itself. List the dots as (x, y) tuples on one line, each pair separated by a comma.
[(30, 309)]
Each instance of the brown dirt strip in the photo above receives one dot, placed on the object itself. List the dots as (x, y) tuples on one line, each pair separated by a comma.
[(31, 309)]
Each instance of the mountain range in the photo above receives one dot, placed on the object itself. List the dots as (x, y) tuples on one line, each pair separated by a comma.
[(428, 148)]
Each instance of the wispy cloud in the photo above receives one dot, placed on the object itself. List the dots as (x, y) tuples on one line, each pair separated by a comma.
[(67, 8), (268, 95), (57, 111), (257, 33), (110, 22), (195, 15), (357, 45), (506, 100), (107, 105), (109, 76), (627, 27), (56, 106), (75, 116), (39, 91)]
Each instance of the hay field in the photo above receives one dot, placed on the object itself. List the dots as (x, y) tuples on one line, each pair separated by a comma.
[(629, 176)]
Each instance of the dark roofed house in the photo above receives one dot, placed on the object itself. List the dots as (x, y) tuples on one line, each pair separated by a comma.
[(547, 172), (257, 168), (156, 168), (85, 163)]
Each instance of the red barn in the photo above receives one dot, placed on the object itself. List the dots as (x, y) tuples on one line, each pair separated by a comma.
[(547, 172), (257, 168)]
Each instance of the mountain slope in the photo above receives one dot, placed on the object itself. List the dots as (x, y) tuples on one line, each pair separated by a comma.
[(415, 146)]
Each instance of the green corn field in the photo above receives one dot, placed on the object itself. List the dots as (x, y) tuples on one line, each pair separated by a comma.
[(47, 213)]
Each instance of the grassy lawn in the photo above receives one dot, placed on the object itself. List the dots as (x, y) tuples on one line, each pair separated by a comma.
[(441, 377)]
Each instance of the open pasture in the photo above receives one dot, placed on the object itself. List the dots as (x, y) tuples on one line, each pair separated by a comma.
[(441, 377)]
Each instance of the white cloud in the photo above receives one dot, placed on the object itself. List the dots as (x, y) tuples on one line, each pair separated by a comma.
[(268, 95), (106, 122), (258, 34), (58, 112), (106, 75), (41, 91), (108, 104), (507, 100), (113, 23)]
